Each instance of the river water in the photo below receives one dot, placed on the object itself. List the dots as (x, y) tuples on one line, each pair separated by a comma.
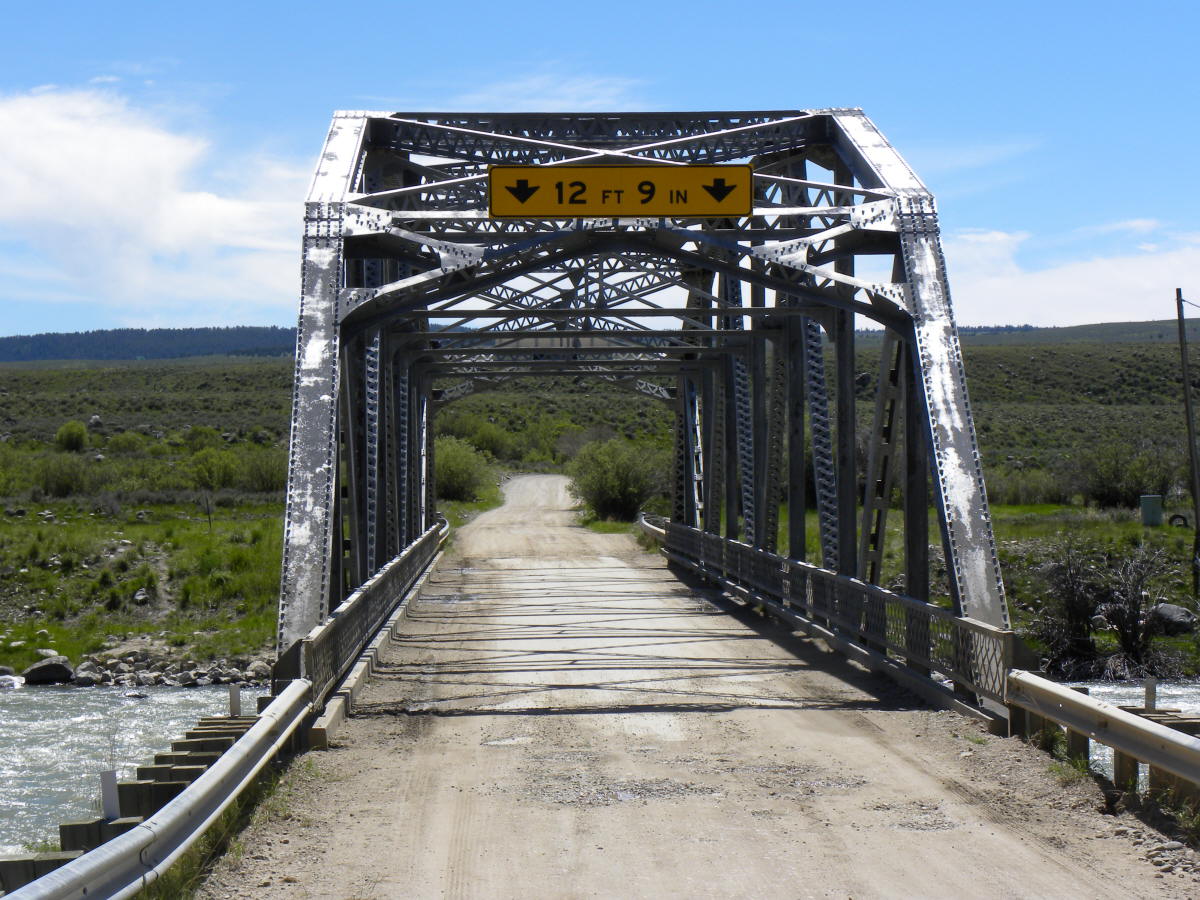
[(55, 741), (1181, 695)]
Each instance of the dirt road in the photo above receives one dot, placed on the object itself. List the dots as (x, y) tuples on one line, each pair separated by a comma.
[(561, 717)]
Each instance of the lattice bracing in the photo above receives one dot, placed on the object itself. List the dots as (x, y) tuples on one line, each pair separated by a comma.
[(414, 296)]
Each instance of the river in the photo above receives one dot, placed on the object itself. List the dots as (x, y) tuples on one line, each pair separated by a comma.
[(55, 741)]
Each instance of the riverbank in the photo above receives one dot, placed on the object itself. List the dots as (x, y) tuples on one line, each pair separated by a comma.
[(56, 740)]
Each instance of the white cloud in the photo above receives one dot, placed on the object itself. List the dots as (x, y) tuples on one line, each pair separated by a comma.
[(944, 159), (550, 90), (119, 205), (104, 79), (1127, 226), (990, 286)]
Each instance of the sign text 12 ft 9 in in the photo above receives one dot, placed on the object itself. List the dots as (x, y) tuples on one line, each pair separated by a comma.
[(563, 192)]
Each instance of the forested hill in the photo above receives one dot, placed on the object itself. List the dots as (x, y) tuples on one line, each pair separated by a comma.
[(251, 340), (150, 343), (1162, 331)]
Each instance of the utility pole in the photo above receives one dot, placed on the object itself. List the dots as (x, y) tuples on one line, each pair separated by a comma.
[(1191, 434)]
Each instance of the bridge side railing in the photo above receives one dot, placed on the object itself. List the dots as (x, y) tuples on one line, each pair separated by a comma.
[(327, 652), (974, 656), (302, 680)]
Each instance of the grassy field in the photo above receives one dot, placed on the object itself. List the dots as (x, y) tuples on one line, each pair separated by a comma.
[(82, 533)]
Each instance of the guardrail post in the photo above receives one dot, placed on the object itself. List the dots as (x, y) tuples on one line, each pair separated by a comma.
[(235, 700), (1125, 771), (1164, 784), (1018, 725), (110, 804), (1079, 745)]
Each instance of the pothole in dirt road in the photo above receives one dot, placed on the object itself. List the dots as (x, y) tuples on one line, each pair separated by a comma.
[(586, 789), (804, 780), (507, 741), (915, 816)]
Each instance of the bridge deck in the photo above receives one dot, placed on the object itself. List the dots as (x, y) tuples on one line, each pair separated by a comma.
[(563, 718)]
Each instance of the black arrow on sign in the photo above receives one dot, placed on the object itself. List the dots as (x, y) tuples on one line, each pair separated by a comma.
[(523, 191), (719, 189)]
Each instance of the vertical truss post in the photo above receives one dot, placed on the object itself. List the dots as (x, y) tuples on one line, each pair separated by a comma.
[(350, 485), (389, 452), (730, 453), (797, 503), (757, 365), (310, 517), (776, 391), (847, 419), (745, 432), (824, 466), (881, 452), (711, 461), (916, 504), (682, 509), (738, 458), (373, 427), (695, 457), (971, 562), (402, 452), (428, 489)]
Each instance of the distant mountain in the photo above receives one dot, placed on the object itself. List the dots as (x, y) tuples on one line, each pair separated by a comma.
[(1157, 332), (150, 343), (252, 340)]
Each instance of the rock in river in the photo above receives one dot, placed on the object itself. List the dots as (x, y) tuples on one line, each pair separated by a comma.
[(55, 670)]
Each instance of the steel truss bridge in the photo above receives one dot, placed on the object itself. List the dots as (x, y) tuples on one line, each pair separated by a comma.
[(414, 296)]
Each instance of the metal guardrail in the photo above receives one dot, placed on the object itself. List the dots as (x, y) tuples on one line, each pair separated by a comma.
[(327, 652), (1136, 737), (926, 638), (302, 679), (130, 862), (974, 656)]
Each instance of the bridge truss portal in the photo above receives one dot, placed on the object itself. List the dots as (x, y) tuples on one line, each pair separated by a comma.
[(413, 296)]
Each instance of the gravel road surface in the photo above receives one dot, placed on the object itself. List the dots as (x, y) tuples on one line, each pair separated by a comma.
[(562, 717)]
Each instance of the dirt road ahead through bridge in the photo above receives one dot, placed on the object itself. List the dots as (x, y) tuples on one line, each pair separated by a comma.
[(562, 717)]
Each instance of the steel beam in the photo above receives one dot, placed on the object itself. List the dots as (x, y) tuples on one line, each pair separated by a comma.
[(400, 256)]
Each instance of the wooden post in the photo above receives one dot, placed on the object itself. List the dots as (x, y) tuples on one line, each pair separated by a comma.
[(1017, 725), (1079, 745), (1125, 771)]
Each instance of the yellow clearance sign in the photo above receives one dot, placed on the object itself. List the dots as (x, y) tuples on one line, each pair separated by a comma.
[(562, 192)]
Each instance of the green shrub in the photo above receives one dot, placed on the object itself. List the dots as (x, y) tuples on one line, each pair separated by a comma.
[(71, 436), (1117, 474), (616, 477), (494, 440), (460, 470), (213, 469), (201, 437), (262, 470), (62, 476), (1024, 487), (127, 443)]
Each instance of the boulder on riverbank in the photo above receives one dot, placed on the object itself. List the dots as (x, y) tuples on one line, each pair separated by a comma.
[(54, 670), (1171, 620)]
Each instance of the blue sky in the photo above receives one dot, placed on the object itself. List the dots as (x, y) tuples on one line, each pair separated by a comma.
[(154, 158)]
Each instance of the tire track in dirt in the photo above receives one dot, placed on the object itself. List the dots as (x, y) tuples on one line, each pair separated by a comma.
[(560, 718)]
